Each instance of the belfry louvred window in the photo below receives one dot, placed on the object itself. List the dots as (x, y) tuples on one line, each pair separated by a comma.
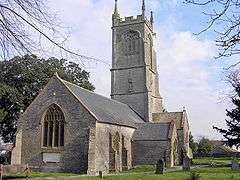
[(53, 127), (131, 42)]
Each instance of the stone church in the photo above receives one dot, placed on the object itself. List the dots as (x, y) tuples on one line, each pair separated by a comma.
[(70, 129)]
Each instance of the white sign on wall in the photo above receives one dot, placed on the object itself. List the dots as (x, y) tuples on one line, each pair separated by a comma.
[(51, 157)]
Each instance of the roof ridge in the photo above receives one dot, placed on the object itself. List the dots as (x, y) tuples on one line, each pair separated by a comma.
[(169, 112), (135, 112), (155, 123), (64, 81)]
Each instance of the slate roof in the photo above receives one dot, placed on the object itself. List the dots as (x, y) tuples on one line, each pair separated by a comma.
[(152, 131), (105, 109), (169, 116), (221, 146)]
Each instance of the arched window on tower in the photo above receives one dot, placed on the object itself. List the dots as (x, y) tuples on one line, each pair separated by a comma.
[(53, 127), (131, 42)]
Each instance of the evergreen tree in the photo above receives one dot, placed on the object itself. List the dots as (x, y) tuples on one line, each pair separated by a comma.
[(232, 133), (21, 79), (193, 145), (204, 147)]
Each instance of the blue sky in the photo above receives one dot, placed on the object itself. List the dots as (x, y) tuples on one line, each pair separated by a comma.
[(189, 75)]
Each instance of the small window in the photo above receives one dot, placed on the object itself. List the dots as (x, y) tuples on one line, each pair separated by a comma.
[(53, 127)]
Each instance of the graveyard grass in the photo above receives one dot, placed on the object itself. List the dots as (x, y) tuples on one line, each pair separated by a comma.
[(139, 173), (208, 160)]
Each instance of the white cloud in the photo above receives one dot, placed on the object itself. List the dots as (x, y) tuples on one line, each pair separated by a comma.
[(185, 74), (185, 47)]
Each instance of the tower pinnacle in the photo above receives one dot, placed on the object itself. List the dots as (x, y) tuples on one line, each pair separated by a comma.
[(116, 14), (143, 8), (151, 19)]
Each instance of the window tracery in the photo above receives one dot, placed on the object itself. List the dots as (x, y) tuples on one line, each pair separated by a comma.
[(131, 42), (53, 127)]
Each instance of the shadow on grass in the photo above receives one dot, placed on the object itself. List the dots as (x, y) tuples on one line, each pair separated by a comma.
[(14, 177)]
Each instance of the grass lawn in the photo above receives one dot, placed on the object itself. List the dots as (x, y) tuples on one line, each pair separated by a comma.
[(220, 173), (139, 173), (38, 174), (208, 160), (141, 169)]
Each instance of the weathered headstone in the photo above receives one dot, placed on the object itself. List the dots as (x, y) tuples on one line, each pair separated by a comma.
[(160, 167), (27, 171), (235, 165), (186, 164), (100, 174)]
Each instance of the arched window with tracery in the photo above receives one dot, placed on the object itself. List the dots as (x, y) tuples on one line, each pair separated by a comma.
[(53, 127), (131, 42)]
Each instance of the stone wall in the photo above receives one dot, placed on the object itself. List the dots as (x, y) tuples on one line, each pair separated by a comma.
[(149, 152), (106, 133), (182, 126), (16, 152), (14, 169), (78, 122), (134, 67), (136, 101), (174, 146), (185, 135)]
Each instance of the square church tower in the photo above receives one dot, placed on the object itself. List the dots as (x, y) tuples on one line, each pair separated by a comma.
[(134, 64)]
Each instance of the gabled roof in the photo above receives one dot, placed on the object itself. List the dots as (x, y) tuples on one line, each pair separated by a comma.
[(104, 109), (178, 117), (152, 131), (221, 146)]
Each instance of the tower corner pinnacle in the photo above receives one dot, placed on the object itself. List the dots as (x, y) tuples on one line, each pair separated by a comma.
[(143, 8)]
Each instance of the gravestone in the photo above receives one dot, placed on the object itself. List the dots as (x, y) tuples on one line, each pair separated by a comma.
[(235, 165), (186, 164), (160, 167), (27, 171), (100, 174)]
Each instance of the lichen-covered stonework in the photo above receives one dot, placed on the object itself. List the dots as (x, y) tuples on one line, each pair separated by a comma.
[(104, 133), (74, 157)]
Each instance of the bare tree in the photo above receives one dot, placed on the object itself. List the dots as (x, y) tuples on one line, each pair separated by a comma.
[(26, 25), (224, 18)]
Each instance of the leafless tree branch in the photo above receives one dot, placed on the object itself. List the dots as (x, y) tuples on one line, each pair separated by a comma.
[(21, 21), (225, 17)]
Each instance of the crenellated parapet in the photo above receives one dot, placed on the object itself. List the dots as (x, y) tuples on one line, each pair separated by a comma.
[(118, 21)]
